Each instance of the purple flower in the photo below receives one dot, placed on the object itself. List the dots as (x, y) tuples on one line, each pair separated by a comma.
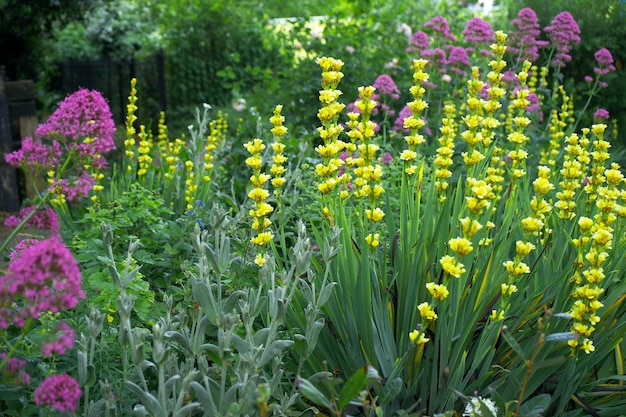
[(386, 158), (419, 41), (60, 392), (21, 246), (601, 115), (399, 122), (563, 33), (384, 84), (523, 40), (42, 220), (45, 277), (64, 341), (478, 30), (81, 126), (14, 370), (458, 58), (605, 62), (440, 25), (588, 79)]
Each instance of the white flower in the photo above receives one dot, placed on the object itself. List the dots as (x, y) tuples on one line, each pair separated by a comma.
[(239, 104), (405, 30), (476, 406)]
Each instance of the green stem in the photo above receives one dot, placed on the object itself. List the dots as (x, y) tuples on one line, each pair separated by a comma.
[(9, 355)]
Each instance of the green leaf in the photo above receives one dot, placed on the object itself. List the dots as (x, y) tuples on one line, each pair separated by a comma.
[(352, 387), (390, 390), (513, 343), (205, 398), (309, 391), (535, 406), (561, 337), (275, 348)]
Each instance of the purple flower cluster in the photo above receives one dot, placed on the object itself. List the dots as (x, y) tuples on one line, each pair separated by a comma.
[(63, 342), (419, 42), (478, 30), (14, 371), (604, 59), (523, 40), (601, 115), (83, 114), (45, 277), (563, 33), (42, 220), (385, 85), (440, 26), (458, 59), (83, 126), (60, 392)]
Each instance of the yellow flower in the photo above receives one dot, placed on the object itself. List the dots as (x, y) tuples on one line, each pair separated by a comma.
[(516, 269), (523, 248), (508, 289), (260, 260), (460, 246), (437, 291), (418, 338), (470, 227), (262, 238), (531, 224), (496, 315), (258, 194), (408, 155), (427, 312), (375, 215), (451, 266), (372, 240), (587, 346)]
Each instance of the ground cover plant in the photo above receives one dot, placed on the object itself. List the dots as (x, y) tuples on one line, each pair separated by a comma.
[(449, 242)]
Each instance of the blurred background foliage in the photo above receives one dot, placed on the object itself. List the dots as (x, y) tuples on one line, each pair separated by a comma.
[(251, 55)]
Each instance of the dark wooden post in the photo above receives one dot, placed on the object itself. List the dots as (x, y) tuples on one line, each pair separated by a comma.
[(21, 103), (9, 195)]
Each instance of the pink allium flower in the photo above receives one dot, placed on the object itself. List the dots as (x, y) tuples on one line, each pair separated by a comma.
[(523, 40), (14, 370), (601, 115), (419, 41), (603, 84), (478, 30), (563, 33), (384, 84), (605, 62), (440, 25), (386, 158), (45, 277), (60, 392), (43, 220), (63, 342), (588, 79)]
